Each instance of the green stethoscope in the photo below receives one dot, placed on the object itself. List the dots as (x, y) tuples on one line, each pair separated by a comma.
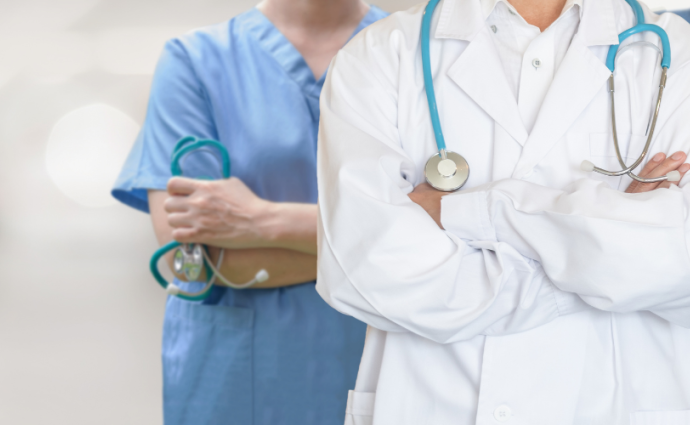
[(191, 259), (448, 171)]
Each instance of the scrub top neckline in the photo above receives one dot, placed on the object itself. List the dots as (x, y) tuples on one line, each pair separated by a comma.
[(287, 55)]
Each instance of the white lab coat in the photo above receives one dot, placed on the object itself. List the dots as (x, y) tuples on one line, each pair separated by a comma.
[(552, 297)]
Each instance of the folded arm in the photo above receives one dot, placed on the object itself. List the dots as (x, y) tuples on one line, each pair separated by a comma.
[(285, 266), (382, 259), (619, 252)]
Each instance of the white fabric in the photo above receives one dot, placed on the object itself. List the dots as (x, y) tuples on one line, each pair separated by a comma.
[(520, 44), (551, 295)]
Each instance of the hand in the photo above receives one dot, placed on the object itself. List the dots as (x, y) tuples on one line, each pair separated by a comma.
[(223, 213), (659, 166), (430, 199)]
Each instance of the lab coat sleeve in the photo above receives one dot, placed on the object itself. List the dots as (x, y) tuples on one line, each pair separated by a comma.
[(382, 259), (619, 252)]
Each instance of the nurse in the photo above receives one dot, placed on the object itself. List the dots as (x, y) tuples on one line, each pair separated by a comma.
[(275, 354), (540, 293)]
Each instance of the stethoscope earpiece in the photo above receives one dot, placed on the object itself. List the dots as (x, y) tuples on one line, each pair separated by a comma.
[(640, 27)]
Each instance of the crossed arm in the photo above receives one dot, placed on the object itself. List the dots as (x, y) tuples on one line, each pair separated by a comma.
[(513, 256), (256, 234)]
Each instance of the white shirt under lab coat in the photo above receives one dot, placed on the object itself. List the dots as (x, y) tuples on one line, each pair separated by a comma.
[(551, 297)]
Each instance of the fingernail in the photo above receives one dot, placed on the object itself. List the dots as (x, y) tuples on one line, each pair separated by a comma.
[(684, 168), (677, 156), (658, 157)]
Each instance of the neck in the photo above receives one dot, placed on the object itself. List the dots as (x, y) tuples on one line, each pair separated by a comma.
[(540, 13), (313, 14)]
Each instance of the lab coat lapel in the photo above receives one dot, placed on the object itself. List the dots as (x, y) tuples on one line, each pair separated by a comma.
[(479, 73), (579, 78)]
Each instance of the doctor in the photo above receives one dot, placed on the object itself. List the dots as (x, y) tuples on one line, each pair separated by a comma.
[(539, 294)]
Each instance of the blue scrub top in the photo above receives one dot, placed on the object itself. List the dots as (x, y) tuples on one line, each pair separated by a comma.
[(263, 356)]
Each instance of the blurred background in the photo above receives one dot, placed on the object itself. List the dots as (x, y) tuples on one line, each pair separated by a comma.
[(80, 316)]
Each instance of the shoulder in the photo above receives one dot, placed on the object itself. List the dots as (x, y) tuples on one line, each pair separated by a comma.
[(390, 30), (678, 31), (382, 46), (217, 39)]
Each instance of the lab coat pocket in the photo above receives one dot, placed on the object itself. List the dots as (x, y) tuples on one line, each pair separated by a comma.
[(360, 408), (207, 363), (681, 417), (602, 153)]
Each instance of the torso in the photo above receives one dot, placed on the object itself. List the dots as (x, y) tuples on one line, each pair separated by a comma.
[(582, 367)]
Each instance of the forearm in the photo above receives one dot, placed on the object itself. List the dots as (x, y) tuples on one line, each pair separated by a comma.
[(619, 252), (382, 259), (285, 267), (290, 226)]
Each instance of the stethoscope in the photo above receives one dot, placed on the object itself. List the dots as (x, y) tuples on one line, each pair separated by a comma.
[(611, 64), (448, 171), (191, 259)]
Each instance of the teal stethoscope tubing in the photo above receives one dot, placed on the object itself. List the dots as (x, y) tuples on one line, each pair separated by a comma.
[(183, 148), (610, 60), (428, 77)]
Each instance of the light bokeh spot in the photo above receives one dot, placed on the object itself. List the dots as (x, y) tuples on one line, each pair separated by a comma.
[(86, 150)]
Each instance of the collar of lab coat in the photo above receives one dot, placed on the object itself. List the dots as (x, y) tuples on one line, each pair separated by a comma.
[(479, 73), (464, 19), (489, 5)]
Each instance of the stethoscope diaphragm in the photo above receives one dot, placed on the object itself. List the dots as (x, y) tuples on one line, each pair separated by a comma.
[(447, 174), (189, 260)]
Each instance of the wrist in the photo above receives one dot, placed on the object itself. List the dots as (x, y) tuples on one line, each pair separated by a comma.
[(288, 225), (270, 224)]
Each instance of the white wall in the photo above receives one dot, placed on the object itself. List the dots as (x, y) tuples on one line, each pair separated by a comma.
[(80, 317)]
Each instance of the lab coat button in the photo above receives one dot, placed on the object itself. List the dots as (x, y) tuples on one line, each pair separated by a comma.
[(536, 63), (503, 413), (527, 174)]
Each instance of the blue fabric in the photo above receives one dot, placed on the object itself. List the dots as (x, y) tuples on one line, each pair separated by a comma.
[(272, 356)]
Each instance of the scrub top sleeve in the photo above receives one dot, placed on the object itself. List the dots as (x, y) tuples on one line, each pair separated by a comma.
[(178, 107)]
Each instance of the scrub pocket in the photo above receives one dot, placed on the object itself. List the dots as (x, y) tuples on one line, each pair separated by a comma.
[(207, 364), (681, 417), (360, 408)]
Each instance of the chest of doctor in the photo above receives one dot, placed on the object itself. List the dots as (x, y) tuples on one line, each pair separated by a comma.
[(483, 120)]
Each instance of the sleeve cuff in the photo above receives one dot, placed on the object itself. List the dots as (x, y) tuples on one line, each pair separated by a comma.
[(466, 215)]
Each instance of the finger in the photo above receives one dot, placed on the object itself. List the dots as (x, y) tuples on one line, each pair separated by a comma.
[(176, 204), (180, 220), (187, 235), (652, 164), (424, 187), (669, 164), (182, 186), (682, 170), (637, 187)]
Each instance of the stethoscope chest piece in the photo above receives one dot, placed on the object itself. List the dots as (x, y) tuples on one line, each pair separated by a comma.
[(189, 260), (447, 174)]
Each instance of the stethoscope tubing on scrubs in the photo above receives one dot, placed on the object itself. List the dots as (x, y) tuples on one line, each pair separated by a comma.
[(183, 148), (611, 64)]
